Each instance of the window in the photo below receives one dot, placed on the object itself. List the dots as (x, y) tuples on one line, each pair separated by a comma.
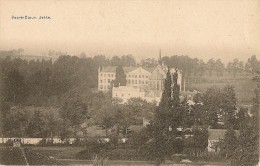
[(135, 81), (146, 76), (142, 82), (104, 75), (108, 80), (100, 81), (139, 76), (122, 95), (142, 76), (146, 82), (139, 81), (135, 76), (108, 75), (104, 80), (100, 75), (101, 87), (112, 75), (128, 81)]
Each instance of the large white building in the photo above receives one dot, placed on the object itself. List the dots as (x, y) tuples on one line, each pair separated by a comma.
[(146, 83)]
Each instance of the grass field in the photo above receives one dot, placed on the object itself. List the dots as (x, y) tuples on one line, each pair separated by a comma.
[(67, 156), (139, 163), (59, 152), (243, 85)]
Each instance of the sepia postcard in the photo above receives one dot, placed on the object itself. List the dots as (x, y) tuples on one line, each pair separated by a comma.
[(130, 83)]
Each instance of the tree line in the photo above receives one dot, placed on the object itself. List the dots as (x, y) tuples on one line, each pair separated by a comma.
[(197, 67)]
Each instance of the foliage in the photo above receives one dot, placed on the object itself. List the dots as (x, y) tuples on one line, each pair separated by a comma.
[(229, 144), (247, 151), (197, 141), (165, 139), (235, 67), (35, 127), (73, 111), (215, 106), (120, 79)]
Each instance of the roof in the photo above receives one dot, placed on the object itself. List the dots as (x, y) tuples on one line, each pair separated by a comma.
[(216, 134), (150, 69), (112, 69), (128, 69), (135, 128)]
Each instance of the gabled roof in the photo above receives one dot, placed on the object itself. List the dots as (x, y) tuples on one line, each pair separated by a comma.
[(158, 73), (112, 69), (150, 69), (129, 69)]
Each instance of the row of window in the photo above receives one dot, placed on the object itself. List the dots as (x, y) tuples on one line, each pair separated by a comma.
[(109, 75), (104, 87), (122, 95), (130, 76), (153, 85), (128, 81), (137, 82), (135, 76), (105, 81)]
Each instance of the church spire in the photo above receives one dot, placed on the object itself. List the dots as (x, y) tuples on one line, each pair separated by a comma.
[(160, 58)]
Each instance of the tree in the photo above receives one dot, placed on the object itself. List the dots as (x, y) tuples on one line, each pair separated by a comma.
[(235, 67), (141, 109), (105, 115), (201, 67), (219, 67), (163, 129), (36, 127), (101, 60), (211, 100), (14, 86), (120, 79), (229, 144), (247, 151), (252, 64), (200, 137), (228, 106), (73, 111), (52, 124), (211, 65), (128, 60), (149, 62)]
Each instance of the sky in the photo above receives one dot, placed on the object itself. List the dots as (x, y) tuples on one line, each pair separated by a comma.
[(205, 29)]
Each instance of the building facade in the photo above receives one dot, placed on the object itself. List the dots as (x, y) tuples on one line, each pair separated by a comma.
[(146, 83)]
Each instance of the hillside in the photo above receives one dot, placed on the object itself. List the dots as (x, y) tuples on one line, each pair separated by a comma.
[(243, 84)]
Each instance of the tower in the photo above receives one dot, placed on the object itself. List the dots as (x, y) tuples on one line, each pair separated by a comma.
[(160, 58)]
